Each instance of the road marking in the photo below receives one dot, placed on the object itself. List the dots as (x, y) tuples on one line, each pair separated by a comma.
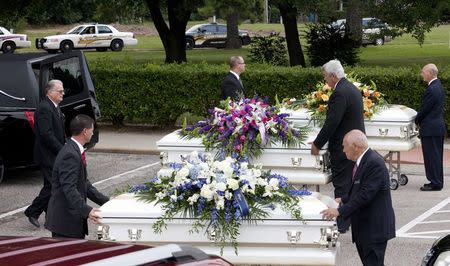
[(10, 213), (402, 232)]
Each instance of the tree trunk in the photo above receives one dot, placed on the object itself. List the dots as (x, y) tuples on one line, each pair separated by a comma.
[(233, 39), (354, 20), (172, 37), (289, 15)]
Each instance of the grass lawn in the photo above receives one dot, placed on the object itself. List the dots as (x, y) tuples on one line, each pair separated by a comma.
[(402, 51)]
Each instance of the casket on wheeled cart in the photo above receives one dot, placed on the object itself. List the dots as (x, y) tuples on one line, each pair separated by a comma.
[(277, 240), (392, 130)]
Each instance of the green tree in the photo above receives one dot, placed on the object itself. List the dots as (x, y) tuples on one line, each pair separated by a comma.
[(415, 17), (233, 11), (11, 12), (172, 33), (122, 11)]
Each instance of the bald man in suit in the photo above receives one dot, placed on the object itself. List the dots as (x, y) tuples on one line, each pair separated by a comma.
[(232, 84), (368, 203)]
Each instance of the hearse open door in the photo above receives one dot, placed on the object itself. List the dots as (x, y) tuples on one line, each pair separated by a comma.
[(79, 98)]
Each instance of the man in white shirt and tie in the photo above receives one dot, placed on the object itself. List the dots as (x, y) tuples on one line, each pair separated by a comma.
[(232, 84)]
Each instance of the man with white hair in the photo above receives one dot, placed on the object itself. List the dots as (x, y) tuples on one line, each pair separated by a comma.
[(50, 138), (369, 203), (345, 112), (430, 120)]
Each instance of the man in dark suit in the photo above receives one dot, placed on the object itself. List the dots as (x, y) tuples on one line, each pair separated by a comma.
[(369, 202), (50, 138), (67, 209), (232, 84), (430, 120), (345, 112)]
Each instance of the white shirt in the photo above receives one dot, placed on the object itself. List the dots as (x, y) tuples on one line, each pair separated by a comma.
[(358, 161), (234, 73), (56, 106), (79, 145), (431, 81)]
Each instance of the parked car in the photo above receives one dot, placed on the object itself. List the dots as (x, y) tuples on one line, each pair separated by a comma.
[(439, 253), (66, 252), (211, 35), (88, 36), (9, 42), (23, 81), (373, 30)]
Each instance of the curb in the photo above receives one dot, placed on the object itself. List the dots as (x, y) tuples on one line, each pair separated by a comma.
[(125, 151)]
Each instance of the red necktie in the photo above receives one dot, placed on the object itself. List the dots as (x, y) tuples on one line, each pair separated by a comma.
[(83, 158), (355, 166)]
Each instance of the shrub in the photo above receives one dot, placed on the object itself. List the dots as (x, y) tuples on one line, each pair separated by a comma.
[(159, 94), (269, 50), (326, 43)]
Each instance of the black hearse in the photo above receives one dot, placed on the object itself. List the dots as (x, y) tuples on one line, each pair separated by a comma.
[(23, 78)]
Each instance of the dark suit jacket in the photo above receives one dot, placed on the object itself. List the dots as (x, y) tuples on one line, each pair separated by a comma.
[(430, 117), (231, 87), (369, 202), (68, 211), (345, 113), (49, 132)]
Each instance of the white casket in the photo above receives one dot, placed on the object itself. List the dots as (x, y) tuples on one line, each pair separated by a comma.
[(297, 164), (391, 129), (279, 239)]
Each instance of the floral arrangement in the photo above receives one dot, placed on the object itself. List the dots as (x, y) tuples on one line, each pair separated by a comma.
[(317, 101), (220, 194), (243, 128)]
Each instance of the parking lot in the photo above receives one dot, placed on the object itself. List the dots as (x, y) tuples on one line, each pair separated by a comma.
[(421, 217)]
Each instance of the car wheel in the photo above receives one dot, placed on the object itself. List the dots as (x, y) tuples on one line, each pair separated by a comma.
[(101, 49), (8, 47), (116, 45), (189, 43), (66, 46), (379, 41)]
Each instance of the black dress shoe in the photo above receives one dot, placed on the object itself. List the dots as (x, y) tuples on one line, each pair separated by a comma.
[(430, 188), (427, 185), (34, 221)]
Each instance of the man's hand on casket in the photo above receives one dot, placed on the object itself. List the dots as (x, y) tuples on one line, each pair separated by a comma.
[(314, 149), (329, 213), (94, 216)]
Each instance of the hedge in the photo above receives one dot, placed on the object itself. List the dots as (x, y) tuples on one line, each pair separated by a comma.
[(158, 94)]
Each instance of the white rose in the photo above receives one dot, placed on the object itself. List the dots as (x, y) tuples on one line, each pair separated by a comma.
[(221, 186), (256, 172), (160, 195), (183, 172), (233, 183), (206, 192), (274, 183), (220, 203), (244, 166), (228, 195), (173, 198), (193, 199), (261, 182)]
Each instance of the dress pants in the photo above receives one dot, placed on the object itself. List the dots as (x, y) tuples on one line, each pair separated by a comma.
[(372, 254), (40, 203), (433, 155), (341, 170)]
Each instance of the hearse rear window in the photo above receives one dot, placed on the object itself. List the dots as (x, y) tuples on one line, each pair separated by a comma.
[(69, 72)]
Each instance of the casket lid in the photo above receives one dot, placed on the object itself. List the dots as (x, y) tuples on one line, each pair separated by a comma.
[(390, 113), (127, 206)]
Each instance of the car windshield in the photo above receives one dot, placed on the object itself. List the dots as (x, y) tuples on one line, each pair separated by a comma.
[(76, 30), (194, 28)]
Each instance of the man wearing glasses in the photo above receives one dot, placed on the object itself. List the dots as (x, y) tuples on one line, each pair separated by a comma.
[(50, 138), (232, 85)]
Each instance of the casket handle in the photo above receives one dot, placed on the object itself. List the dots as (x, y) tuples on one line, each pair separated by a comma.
[(211, 234), (134, 234), (383, 131), (103, 232), (293, 236), (163, 158), (328, 237), (296, 161)]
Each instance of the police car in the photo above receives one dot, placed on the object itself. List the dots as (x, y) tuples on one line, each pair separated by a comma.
[(89, 36), (211, 35), (9, 42)]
